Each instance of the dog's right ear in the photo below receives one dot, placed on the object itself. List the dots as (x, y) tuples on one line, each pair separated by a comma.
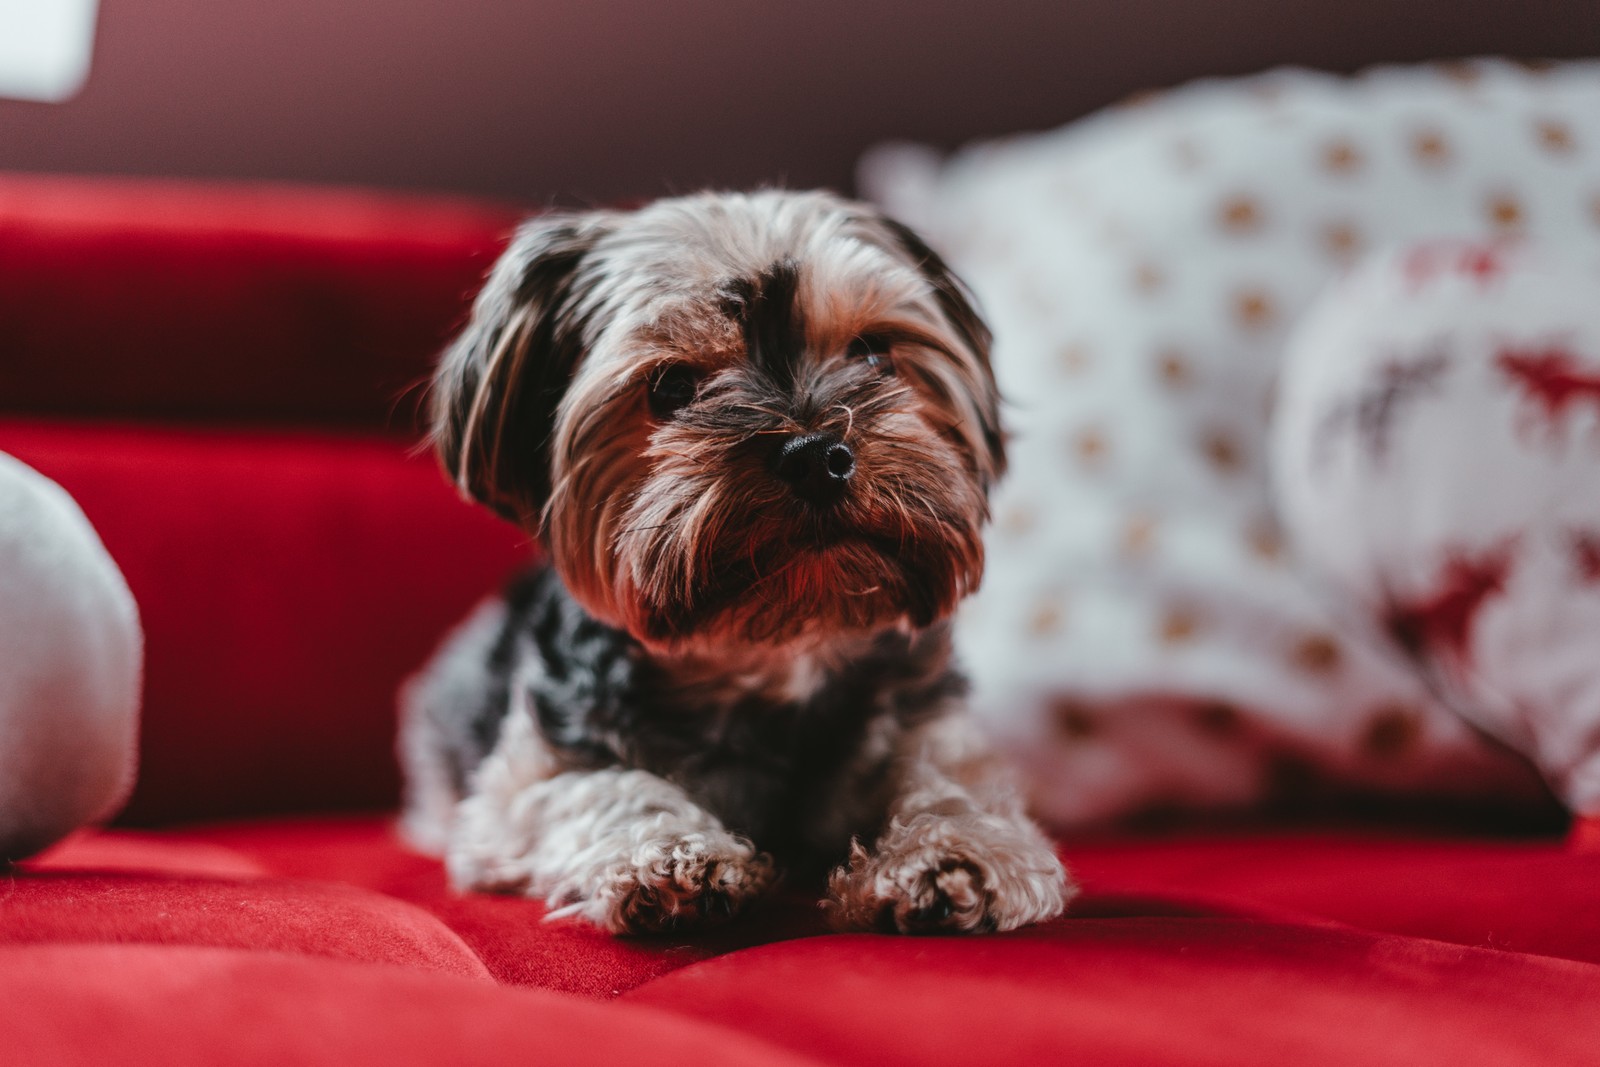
[(495, 393)]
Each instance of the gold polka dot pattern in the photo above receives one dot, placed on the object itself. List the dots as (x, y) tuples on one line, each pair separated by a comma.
[(1240, 215), (1391, 732), (1253, 308), (1504, 210), (1317, 654), (1341, 157), (1179, 626), (1342, 240), (1142, 271), (1430, 148)]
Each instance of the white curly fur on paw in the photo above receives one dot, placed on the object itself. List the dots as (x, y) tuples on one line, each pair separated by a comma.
[(648, 879), (941, 874), (673, 883), (623, 849)]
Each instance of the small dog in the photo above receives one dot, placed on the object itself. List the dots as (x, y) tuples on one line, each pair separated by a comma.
[(755, 435)]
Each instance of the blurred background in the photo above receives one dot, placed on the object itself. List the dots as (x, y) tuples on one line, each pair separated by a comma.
[(224, 365), (629, 98)]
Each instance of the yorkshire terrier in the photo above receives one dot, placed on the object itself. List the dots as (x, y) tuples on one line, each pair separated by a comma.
[(755, 435)]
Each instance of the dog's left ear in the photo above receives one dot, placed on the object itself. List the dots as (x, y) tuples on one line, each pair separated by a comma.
[(956, 304), (497, 387)]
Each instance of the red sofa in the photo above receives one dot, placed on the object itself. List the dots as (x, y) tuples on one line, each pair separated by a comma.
[(225, 379)]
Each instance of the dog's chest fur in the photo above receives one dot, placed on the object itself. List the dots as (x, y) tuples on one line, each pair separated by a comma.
[(797, 759)]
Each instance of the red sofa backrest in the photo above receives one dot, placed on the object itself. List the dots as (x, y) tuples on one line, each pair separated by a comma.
[(292, 561), (226, 304)]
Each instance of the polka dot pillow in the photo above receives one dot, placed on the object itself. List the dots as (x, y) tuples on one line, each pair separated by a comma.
[(1437, 457), (1140, 641)]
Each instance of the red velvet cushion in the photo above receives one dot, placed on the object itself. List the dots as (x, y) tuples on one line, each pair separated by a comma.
[(1303, 948), (287, 584), (1524, 896), (508, 933), (1149, 991), (226, 303), (314, 918), (66, 1006)]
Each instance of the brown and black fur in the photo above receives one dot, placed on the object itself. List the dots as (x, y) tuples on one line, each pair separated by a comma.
[(756, 436)]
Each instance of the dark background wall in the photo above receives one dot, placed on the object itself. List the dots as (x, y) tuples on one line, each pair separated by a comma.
[(622, 98)]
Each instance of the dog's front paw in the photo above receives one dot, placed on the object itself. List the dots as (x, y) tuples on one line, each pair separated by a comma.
[(676, 883), (949, 874)]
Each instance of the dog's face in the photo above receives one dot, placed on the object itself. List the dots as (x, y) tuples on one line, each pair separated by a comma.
[(733, 419)]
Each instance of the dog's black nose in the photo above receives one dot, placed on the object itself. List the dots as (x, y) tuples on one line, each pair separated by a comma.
[(816, 466)]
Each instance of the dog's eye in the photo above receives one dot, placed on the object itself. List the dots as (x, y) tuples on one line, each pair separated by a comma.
[(873, 350), (672, 388)]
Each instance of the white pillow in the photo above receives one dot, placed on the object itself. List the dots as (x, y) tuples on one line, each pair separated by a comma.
[(71, 660), (1140, 640), (1437, 456)]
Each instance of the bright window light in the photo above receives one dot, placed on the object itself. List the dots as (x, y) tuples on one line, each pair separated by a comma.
[(44, 47)]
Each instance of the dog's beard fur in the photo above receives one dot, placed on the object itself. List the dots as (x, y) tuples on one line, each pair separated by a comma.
[(674, 527), (702, 544)]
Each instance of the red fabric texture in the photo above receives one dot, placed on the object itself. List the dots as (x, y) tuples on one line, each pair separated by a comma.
[(509, 934), (1526, 896), (131, 1005), (143, 299), (1151, 991), (1243, 949), (1585, 835), (289, 580), (1513, 895), (287, 584), (317, 919)]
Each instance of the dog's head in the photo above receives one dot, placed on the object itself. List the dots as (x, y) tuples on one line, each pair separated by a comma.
[(733, 419)]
